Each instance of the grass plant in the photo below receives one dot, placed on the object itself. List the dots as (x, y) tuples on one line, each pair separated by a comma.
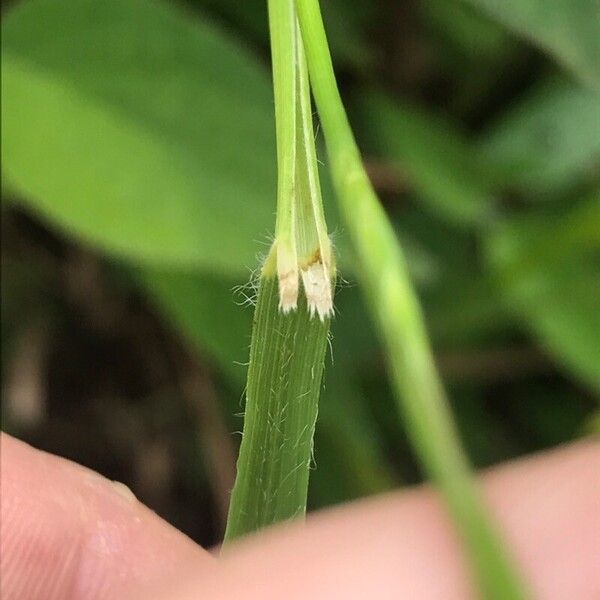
[(293, 311)]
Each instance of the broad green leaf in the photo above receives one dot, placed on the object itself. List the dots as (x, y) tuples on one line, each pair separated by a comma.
[(549, 274), (138, 128), (433, 155), (549, 140), (567, 29)]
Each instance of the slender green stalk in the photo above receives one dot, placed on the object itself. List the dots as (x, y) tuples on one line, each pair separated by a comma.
[(421, 398), (292, 316)]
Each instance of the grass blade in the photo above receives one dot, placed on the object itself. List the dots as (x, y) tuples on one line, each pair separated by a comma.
[(395, 307)]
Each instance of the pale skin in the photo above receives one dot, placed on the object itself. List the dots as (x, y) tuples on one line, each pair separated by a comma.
[(66, 532)]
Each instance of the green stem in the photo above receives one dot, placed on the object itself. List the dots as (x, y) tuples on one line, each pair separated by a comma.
[(395, 307)]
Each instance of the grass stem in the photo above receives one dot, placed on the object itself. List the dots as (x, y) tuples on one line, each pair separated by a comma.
[(397, 313)]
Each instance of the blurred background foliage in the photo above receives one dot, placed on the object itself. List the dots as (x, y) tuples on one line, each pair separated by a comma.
[(138, 183)]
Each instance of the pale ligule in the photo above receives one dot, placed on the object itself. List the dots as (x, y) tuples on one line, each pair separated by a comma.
[(316, 280), (287, 274)]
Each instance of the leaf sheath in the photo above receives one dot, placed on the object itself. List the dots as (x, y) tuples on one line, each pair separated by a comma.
[(287, 354)]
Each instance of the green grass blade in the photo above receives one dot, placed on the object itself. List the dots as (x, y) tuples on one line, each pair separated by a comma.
[(395, 307), (284, 380)]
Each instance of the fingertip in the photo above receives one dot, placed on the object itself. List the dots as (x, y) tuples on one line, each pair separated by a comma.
[(68, 532), (403, 545)]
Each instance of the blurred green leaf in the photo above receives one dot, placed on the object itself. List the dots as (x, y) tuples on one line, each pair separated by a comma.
[(591, 427), (486, 441), (567, 29), (548, 140), (461, 304), (349, 457), (547, 417), (549, 274), (347, 28), (466, 30), (470, 51), (431, 153), (140, 129), (465, 312), (204, 308)]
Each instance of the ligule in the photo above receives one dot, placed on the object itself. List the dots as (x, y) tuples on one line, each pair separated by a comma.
[(316, 275), (317, 287)]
